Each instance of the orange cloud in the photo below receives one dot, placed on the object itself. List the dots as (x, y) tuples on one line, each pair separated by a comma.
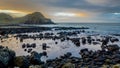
[(82, 14)]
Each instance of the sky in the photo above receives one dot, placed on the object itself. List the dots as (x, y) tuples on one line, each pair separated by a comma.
[(66, 10)]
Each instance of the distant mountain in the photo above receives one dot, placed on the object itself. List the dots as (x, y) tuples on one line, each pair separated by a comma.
[(5, 18), (33, 18), (36, 18)]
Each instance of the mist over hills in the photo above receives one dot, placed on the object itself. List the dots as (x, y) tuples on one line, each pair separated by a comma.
[(33, 18)]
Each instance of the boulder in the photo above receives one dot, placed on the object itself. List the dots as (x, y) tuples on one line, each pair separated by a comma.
[(67, 55), (22, 62), (35, 66), (113, 47), (6, 56), (83, 41), (114, 40), (35, 58), (68, 65)]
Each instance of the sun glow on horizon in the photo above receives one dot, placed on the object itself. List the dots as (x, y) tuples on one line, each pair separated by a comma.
[(65, 14), (13, 13), (68, 14)]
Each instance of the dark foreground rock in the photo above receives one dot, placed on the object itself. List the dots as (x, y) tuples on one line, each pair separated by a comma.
[(6, 57)]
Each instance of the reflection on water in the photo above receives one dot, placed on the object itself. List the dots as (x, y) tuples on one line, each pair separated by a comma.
[(58, 47), (54, 51)]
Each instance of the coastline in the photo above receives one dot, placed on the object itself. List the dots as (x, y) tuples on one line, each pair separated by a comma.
[(71, 46)]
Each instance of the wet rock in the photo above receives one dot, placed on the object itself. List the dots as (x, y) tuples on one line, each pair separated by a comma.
[(104, 42), (89, 40), (44, 53), (23, 46), (95, 43), (56, 42), (83, 50), (28, 45), (114, 40), (113, 47), (63, 39), (93, 39), (116, 66), (35, 58), (76, 41), (44, 46), (98, 40), (35, 66), (83, 41), (22, 62), (21, 39), (1, 47), (68, 65), (25, 49), (29, 50), (84, 53), (33, 45), (68, 54), (6, 56)]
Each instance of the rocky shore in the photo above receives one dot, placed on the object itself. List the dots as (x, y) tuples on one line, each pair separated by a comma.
[(14, 29), (107, 56)]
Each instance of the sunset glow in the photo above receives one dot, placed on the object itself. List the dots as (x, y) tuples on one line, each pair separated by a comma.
[(71, 10)]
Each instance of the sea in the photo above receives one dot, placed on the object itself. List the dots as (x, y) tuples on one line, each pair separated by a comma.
[(62, 48), (102, 28)]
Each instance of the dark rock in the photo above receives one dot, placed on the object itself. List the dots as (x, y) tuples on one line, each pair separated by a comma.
[(21, 39), (33, 45), (44, 46), (22, 62), (83, 41), (89, 40), (29, 50), (95, 43), (114, 40), (28, 45), (76, 41), (113, 47), (67, 55), (83, 50), (25, 49), (35, 58), (2, 65), (56, 42), (23, 46), (6, 56), (44, 53)]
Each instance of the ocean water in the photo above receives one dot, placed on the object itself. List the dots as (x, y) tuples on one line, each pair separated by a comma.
[(103, 28), (62, 48)]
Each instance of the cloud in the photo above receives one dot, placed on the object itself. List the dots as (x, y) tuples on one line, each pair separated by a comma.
[(96, 9)]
